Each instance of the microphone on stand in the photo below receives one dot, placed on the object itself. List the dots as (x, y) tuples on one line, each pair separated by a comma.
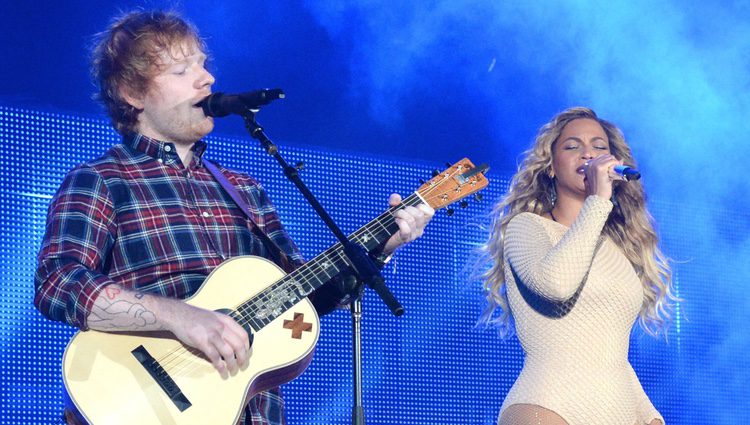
[(220, 104), (627, 173)]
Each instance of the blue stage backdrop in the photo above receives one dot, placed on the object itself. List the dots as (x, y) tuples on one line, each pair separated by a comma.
[(431, 366)]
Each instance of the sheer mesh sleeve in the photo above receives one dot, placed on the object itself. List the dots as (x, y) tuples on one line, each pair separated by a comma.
[(555, 271)]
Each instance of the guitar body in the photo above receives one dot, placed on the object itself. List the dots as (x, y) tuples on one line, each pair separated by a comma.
[(151, 378), (110, 385)]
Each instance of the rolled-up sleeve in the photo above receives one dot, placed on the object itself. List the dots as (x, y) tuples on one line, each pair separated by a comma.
[(80, 233)]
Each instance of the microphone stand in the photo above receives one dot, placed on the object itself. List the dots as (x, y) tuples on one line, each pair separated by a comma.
[(364, 268), (358, 409)]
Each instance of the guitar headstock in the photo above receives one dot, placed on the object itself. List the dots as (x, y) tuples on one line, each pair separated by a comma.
[(457, 182)]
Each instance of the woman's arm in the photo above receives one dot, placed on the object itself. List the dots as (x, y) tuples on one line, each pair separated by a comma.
[(555, 271)]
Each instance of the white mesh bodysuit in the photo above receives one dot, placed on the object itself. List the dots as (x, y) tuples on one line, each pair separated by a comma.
[(573, 317)]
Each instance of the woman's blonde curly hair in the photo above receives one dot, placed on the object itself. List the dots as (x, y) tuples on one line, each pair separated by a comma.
[(629, 225)]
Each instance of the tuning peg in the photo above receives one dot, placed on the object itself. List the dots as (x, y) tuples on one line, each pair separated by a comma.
[(299, 166), (450, 211), (463, 204), (448, 164), (478, 197), (421, 181), (435, 172)]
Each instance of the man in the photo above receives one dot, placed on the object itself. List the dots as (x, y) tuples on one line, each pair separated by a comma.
[(131, 234)]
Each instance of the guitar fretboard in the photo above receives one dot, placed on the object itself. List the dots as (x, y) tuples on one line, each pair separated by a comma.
[(279, 297)]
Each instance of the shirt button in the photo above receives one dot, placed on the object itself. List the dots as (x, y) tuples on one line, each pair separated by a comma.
[(168, 148), (206, 214)]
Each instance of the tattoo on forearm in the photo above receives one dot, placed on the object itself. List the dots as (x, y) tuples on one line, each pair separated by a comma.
[(112, 291), (121, 315)]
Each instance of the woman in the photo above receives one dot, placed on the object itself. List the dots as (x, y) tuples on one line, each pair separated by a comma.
[(574, 263)]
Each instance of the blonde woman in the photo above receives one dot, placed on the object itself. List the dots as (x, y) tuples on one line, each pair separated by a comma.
[(574, 263)]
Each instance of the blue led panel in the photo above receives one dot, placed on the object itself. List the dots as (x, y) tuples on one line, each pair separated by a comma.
[(430, 366)]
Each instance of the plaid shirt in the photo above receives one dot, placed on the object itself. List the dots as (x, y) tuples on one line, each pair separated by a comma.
[(139, 218)]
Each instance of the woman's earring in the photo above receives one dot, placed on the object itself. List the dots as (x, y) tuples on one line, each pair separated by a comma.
[(552, 192)]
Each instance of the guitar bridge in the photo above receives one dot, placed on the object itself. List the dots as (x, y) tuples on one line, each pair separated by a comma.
[(167, 384)]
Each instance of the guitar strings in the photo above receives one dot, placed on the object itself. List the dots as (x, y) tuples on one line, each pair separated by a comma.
[(384, 221), (172, 360), (314, 268), (320, 264), (306, 273)]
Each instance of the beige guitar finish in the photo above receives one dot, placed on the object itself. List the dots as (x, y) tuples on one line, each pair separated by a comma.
[(110, 386), (99, 368)]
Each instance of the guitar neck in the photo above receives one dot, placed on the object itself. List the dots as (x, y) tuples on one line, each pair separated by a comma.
[(276, 299), (458, 181)]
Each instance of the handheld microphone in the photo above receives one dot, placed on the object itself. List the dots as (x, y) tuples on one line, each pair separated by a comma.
[(221, 105), (627, 173)]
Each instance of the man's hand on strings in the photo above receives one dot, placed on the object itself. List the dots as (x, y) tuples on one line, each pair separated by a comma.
[(411, 222)]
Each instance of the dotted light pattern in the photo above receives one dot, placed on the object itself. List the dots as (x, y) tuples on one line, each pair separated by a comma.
[(430, 366)]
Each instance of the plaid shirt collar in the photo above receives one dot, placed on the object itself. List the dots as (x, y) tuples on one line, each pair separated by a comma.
[(164, 152)]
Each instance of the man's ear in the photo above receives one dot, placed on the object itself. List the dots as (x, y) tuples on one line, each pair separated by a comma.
[(133, 100)]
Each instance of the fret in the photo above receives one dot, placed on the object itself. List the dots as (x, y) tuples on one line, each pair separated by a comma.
[(276, 299), (313, 276), (254, 322), (282, 295), (287, 291), (269, 304), (327, 265), (382, 225)]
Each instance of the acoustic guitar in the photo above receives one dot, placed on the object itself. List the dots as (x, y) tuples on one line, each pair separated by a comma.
[(151, 378)]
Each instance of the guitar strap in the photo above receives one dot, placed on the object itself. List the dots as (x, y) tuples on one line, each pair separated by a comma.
[(279, 256)]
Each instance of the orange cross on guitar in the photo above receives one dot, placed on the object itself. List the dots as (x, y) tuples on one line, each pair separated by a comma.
[(298, 325), (162, 381)]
